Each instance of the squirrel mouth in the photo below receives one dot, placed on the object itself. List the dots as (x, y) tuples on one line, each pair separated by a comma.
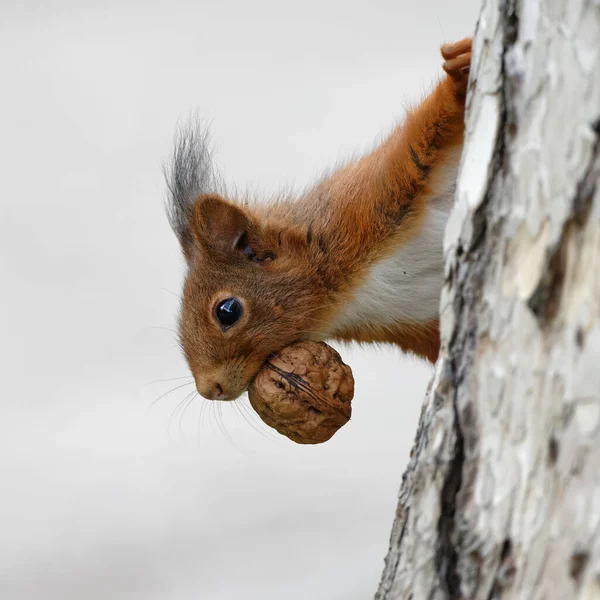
[(263, 365), (251, 381)]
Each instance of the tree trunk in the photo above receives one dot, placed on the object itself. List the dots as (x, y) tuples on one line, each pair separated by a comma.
[(501, 497)]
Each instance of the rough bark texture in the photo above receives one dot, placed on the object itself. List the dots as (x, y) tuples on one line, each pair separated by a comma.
[(501, 498)]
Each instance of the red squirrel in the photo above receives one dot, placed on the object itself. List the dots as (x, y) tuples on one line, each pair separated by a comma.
[(358, 257)]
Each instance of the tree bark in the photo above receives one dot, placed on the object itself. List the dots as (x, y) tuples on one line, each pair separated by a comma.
[(501, 497)]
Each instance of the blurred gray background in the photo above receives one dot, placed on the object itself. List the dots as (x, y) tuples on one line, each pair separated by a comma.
[(101, 497)]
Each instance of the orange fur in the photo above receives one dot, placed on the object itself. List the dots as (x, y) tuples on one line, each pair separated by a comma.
[(295, 265)]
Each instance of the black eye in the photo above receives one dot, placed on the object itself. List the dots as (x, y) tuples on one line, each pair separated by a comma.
[(229, 312)]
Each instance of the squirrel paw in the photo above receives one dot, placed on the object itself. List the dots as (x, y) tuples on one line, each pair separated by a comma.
[(457, 57)]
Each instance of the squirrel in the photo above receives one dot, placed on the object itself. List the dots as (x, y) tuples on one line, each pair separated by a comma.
[(356, 258)]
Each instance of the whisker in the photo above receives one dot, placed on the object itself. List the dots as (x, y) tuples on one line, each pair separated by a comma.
[(250, 416), (160, 328), (167, 393), (211, 410), (199, 422), (190, 402), (168, 379), (204, 409), (219, 418), (177, 408), (178, 296), (226, 433)]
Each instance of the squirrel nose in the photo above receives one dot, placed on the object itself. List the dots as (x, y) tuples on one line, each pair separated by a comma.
[(218, 393), (213, 391)]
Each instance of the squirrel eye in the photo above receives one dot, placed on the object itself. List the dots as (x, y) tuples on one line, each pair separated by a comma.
[(229, 312)]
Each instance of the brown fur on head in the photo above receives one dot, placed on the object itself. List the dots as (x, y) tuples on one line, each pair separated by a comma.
[(233, 251), (235, 257)]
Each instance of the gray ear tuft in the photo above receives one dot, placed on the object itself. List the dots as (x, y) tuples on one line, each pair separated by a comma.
[(188, 175)]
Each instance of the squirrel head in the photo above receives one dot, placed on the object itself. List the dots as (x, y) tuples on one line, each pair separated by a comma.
[(252, 285), (247, 294)]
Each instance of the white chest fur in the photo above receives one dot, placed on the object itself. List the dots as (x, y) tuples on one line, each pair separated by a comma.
[(405, 286)]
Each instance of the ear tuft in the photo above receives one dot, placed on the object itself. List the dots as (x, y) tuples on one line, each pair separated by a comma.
[(189, 174)]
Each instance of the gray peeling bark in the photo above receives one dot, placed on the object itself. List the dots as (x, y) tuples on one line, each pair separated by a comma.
[(501, 497)]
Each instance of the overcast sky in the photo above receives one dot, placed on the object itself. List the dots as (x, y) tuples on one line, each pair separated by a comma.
[(99, 497)]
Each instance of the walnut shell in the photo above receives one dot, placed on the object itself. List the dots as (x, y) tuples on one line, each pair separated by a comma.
[(304, 392)]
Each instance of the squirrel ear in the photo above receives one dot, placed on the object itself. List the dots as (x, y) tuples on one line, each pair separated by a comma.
[(226, 227), (219, 222)]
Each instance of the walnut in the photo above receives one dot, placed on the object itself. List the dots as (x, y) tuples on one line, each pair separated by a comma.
[(304, 392)]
